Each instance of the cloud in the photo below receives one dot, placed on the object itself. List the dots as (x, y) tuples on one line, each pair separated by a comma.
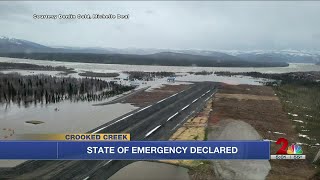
[(179, 25), (14, 11)]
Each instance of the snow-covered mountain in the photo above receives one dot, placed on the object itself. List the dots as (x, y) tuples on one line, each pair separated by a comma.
[(295, 56), (12, 45)]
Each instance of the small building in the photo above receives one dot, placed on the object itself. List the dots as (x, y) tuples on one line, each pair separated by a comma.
[(171, 79)]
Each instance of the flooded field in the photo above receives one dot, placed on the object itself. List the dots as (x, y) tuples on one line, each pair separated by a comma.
[(63, 117)]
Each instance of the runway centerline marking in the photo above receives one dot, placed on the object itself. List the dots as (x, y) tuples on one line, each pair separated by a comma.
[(195, 100), (185, 107), (153, 130), (172, 116), (107, 162), (86, 178)]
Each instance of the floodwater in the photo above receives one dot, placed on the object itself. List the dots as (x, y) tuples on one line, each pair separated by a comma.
[(235, 80), (151, 170), (70, 117), (293, 67)]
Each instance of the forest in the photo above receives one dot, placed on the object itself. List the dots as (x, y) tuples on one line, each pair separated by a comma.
[(148, 76), (45, 89), (97, 74), (26, 66)]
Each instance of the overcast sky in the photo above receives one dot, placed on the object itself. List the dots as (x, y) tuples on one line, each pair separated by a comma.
[(177, 25)]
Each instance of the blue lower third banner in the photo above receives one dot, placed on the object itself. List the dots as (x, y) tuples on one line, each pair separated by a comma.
[(134, 150)]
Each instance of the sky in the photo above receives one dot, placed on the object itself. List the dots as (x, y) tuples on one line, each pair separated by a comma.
[(208, 25)]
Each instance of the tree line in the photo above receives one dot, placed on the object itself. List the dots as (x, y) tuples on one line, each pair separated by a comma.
[(27, 66), (148, 76), (46, 89)]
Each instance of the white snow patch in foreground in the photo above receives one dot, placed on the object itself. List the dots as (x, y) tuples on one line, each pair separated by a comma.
[(304, 136), (279, 133), (299, 143), (299, 121)]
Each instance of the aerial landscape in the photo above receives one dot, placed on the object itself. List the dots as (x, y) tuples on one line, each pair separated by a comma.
[(190, 86)]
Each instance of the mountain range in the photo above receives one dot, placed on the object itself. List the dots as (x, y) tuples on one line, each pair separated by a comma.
[(11, 47)]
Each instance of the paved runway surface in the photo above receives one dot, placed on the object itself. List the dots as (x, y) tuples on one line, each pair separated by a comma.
[(155, 122)]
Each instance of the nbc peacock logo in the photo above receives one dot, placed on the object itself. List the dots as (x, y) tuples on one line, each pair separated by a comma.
[(294, 149)]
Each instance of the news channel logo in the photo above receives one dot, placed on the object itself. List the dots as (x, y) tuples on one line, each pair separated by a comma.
[(293, 151)]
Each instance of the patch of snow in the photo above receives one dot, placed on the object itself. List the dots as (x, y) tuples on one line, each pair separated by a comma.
[(299, 121), (305, 130), (304, 136), (3, 37), (299, 143), (308, 115), (279, 133)]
